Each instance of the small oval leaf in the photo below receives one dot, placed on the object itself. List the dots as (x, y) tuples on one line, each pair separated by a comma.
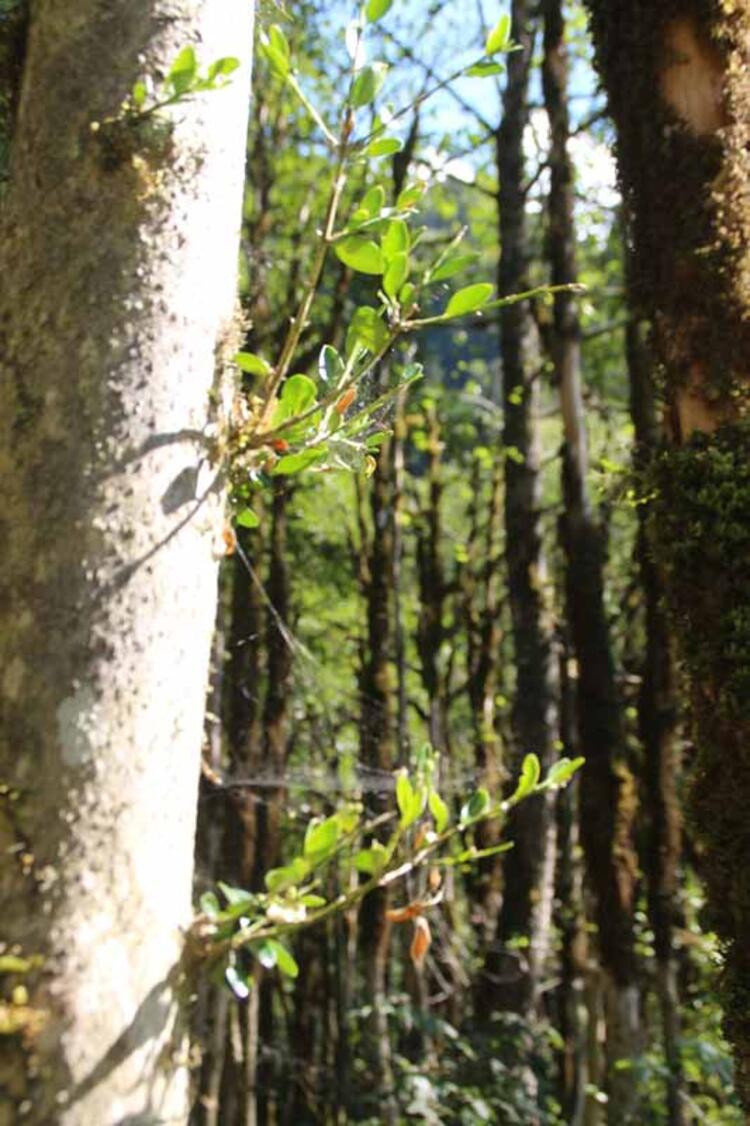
[(468, 300)]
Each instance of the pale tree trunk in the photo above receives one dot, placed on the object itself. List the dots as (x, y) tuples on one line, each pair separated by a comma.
[(118, 254), (676, 75)]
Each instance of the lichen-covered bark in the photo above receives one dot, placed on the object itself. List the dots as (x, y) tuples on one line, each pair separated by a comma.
[(676, 75), (118, 253)]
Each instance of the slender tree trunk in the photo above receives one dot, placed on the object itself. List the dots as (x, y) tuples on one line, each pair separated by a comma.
[(658, 729), (275, 747), (118, 252), (571, 921), (676, 76), (607, 791), (512, 977), (377, 751), (430, 631), (484, 637)]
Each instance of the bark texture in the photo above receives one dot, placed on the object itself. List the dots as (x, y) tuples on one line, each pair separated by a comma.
[(528, 867), (607, 790), (676, 74), (118, 252)]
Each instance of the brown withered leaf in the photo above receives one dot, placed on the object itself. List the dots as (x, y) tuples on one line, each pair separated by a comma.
[(421, 941)]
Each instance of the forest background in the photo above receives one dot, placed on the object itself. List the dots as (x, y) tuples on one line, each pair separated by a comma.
[(430, 600)]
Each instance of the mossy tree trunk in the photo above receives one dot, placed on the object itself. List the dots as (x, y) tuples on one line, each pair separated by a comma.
[(676, 74), (118, 251)]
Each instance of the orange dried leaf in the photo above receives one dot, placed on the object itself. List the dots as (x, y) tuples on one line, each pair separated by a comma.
[(230, 539), (345, 401), (404, 914), (421, 941)]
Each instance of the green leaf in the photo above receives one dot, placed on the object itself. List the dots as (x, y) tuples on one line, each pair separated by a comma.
[(366, 330), (321, 838), (404, 795), (484, 70), (275, 49), (246, 518), (562, 771), (406, 294), (453, 266), (475, 807), (468, 300), (530, 772), (330, 365), (396, 238), (297, 395), (384, 146), (234, 895), (252, 364), (209, 904), (266, 954), (283, 959), (367, 84), (277, 879), (221, 68), (295, 463), (183, 70), (439, 811), (373, 201), (138, 95), (313, 901), (369, 860), (238, 982), (410, 197), (396, 274), (360, 254), (499, 38), (376, 9)]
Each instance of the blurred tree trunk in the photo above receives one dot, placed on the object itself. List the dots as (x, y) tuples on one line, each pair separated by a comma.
[(377, 753), (118, 250), (607, 789), (480, 580), (431, 579), (659, 733), (676, 76), (512, 975), (275, 746)]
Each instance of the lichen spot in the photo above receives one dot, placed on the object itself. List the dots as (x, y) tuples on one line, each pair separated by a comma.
[(691, 79), (78, 727)]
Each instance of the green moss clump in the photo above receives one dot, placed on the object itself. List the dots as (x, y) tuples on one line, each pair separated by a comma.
[(701, 538)]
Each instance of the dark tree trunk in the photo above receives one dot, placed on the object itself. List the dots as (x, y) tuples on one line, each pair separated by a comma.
[(479, 582), (607, 790), (275, 747), (659, 733), (377, 753), (676, 75), (511, 979)]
